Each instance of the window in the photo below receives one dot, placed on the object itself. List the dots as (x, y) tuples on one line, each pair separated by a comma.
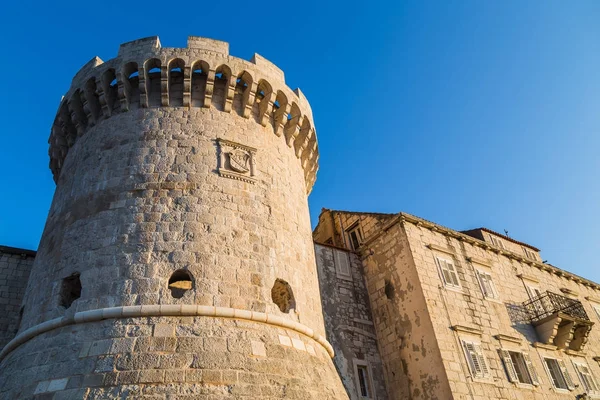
[(519, 367), (533, 292), (557, 370), (70, 290), (586, 377), (597, 309), (282, 296), (497, 242), (342, 263), (354, 236), (448, 272), (475, 359), (529, 253), (487, 285), (364, 384)]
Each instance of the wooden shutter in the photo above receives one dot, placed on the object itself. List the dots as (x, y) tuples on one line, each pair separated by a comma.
[(342, 263), (566, 375), (535, 379), (509, 366), (547, 368), (475, 359), (482, 362), (586, 377), (448, 272), (487, 286)]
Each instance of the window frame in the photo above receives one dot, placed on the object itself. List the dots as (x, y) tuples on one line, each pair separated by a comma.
[(520, 366), (494, 293), (529, 254), (337, 263), (590, 374), (496, 241), (448, 260), (359, 236), (564, 374), (480, 359), (596, 308), (364, 365)]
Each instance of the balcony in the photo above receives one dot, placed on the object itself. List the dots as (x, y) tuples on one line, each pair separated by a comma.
[(559, 320)]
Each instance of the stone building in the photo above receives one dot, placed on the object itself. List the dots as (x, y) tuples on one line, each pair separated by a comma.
[(177, 259), (177, 262), (454, 315)]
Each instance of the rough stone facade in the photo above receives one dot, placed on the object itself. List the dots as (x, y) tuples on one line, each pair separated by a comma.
[(450, 307), (348, 320), (177, 259), (177, 262), (15, 265)]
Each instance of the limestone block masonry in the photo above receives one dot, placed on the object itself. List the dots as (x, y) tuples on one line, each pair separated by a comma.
[(177, 260)]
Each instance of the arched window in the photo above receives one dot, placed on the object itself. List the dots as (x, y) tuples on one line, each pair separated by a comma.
[(242, 92), (93, 102), (176, 70), (220, 94), (131, 80), (199, 77), (152, 71), (111, 90)]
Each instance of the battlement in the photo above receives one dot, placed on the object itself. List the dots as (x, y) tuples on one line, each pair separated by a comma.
[(146, 75)]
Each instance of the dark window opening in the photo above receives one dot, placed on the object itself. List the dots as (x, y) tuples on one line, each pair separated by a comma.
[(180, 282), (390, 291), (282, 296), (70, 290), (355, 237)]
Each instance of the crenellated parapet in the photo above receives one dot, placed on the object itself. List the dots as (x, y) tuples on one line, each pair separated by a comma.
[(146, 75)]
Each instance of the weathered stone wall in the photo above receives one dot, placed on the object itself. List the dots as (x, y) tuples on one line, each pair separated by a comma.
[(348, 320), (333, 225), (410, 302), (505, 243), (409, 348), (468, 307), (15, 265), (145, 189)]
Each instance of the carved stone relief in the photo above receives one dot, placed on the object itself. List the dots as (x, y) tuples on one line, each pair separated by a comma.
[(236, 161)]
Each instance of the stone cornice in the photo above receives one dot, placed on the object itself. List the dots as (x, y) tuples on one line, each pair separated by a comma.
[(480, 261), (442, 249), (509, 254), (163, 311), (508, 338), (467, 329)]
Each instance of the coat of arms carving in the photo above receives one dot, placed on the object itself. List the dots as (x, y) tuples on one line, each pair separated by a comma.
[(236, 161)]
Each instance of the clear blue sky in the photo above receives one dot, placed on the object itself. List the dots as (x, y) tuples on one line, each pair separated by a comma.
[(466, 113)]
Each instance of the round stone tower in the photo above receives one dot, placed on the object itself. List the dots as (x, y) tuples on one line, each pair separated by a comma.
[(177, 258)]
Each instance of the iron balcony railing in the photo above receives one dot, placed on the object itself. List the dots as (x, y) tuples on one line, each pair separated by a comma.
[(549, 303)]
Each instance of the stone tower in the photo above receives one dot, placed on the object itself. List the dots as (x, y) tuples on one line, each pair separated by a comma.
[(177, 259)]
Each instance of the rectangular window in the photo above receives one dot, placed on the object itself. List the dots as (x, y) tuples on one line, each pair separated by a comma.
[(475, 359), (448, 272), (364, 382), (557, 370), (486, 284), (529, 254), (597, 309), (586, 377), (354, 236), (342, 263), (497, 242), (519, 367)]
